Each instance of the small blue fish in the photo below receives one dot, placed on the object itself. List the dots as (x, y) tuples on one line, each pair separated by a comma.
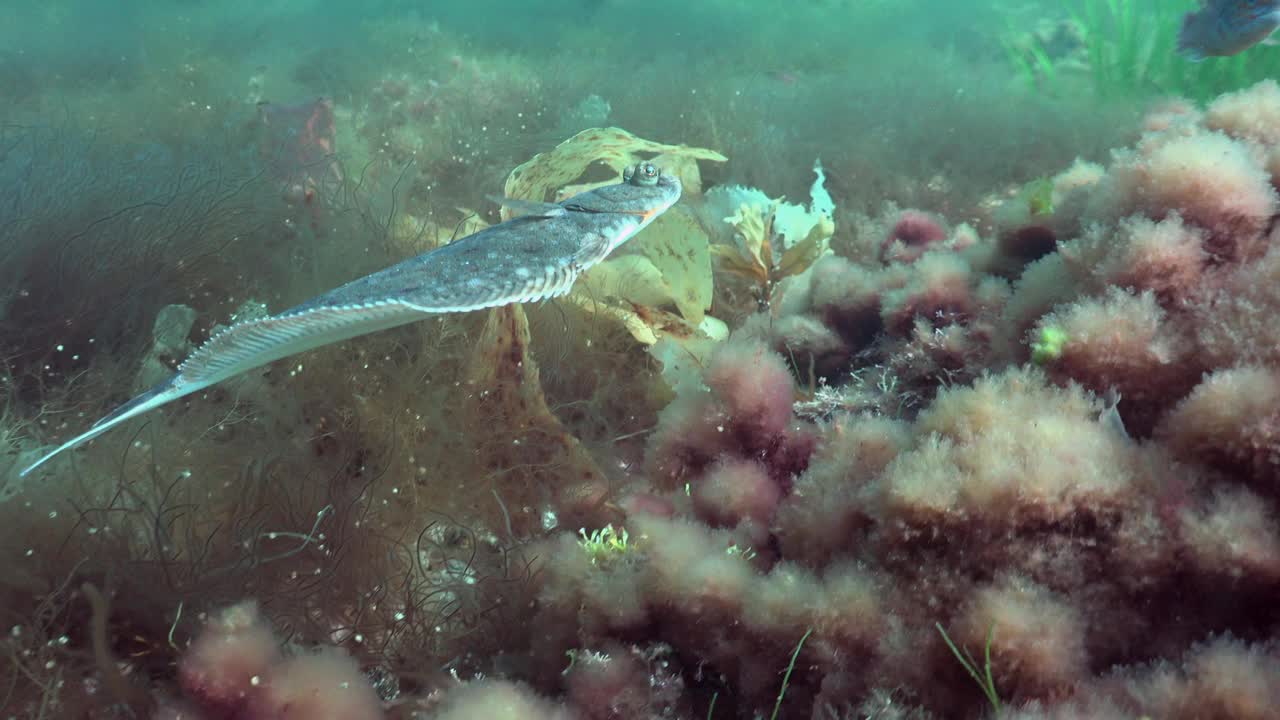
[(1227, 27)]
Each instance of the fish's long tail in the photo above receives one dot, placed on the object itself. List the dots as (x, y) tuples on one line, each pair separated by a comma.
[(164, 393), (253, 344)]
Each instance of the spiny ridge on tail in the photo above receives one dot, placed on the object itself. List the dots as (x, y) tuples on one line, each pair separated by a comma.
[(257, 342)]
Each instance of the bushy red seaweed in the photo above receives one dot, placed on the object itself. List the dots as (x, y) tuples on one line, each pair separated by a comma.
[(1059, 444)]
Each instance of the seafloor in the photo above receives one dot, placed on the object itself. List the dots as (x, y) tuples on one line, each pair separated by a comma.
[(949, 389)]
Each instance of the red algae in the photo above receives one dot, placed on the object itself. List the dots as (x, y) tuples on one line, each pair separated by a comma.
[(1052, 431)]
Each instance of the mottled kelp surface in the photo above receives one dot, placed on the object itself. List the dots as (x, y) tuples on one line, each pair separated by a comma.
[(959, 349)]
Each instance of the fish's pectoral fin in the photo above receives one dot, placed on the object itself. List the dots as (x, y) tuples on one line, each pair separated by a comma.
[(1191, 54)]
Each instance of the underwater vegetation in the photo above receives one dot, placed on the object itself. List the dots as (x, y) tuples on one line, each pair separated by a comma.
[(952, 400), (1130, 48)]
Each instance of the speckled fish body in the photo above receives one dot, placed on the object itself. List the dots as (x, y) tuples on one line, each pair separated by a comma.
[(1227, 27), (526, 259)]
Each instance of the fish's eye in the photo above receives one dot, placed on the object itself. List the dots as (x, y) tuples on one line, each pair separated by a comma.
[(649, 170)]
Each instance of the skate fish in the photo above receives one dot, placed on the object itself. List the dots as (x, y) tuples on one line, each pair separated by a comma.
[(532, 257)]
